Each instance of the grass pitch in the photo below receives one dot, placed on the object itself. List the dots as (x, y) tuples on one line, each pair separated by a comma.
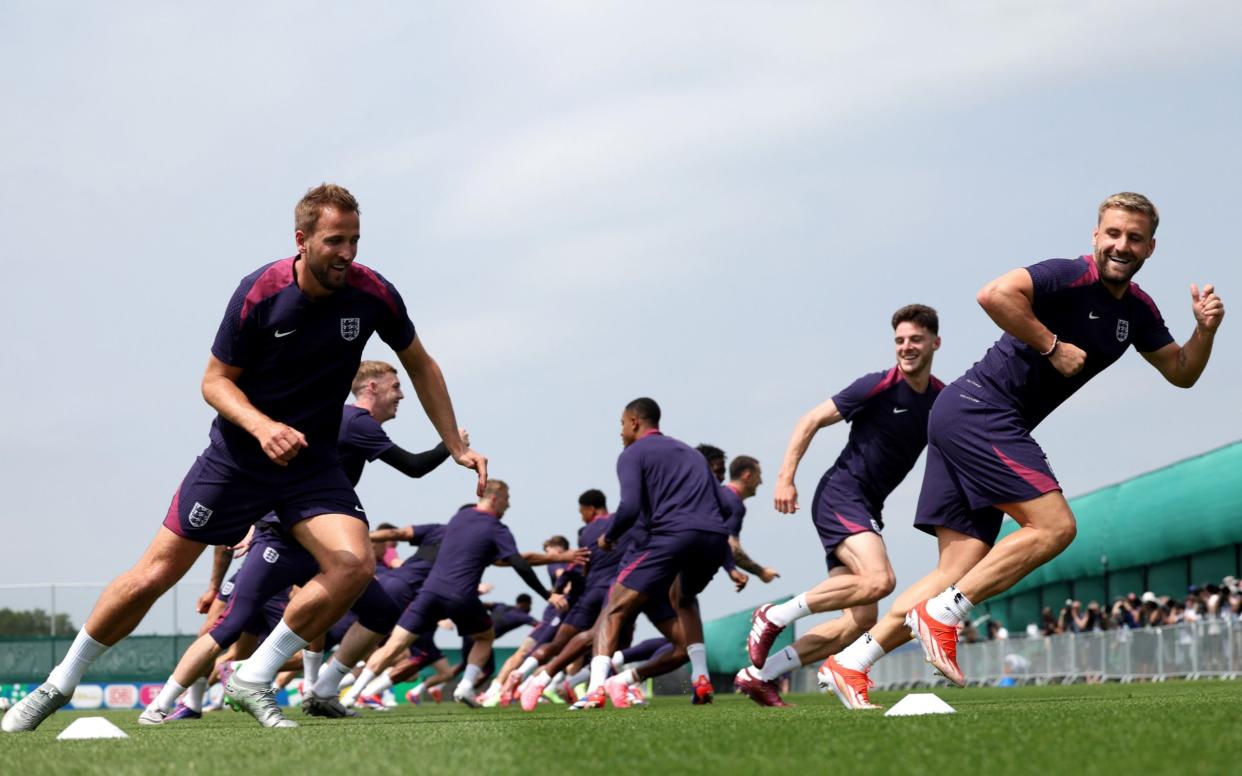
[(1179, 727)]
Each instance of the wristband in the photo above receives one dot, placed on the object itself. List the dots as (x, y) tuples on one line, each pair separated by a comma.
[(1055, 341)]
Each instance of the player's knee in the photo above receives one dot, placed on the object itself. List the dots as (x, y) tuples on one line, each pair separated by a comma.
[(350, 572), (866, 620), (878, 584), (1062, 533), (148, 583)]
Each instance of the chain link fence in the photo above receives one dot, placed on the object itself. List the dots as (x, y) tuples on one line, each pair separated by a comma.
[(52, 604)]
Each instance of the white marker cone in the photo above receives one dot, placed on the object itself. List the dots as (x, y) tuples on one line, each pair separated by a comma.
[(90, 727), (917, 703)]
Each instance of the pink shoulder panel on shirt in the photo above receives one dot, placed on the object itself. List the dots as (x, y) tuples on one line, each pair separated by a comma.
[(1142, 296), (274, 278), (1090, 276), (365, 279), (892, 378), (935, 383)]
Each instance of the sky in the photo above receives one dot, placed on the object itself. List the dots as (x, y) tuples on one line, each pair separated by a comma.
[(718, 205)]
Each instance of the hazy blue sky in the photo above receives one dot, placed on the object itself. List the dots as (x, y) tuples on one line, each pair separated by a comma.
[(715, 204)]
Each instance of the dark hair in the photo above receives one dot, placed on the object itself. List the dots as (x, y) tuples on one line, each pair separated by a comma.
[(645, 409), (558, 541), (919, 315), (593, 498), (384, 525), (710, 452), (523, 598), (740, 465)]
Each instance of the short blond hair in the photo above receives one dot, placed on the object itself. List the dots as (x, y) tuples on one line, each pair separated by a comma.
[(306, 213), (368, 371), (1135, 203), (494, 487)]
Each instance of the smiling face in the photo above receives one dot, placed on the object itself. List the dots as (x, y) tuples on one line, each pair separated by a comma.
[(329, 249), (1122, 241), (387, 395), (915, 347)]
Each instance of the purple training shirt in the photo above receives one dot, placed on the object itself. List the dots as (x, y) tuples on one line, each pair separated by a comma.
[(473, 540), (888, 431), (672, 484), (361, 441), (299, 356), (1072, 302)]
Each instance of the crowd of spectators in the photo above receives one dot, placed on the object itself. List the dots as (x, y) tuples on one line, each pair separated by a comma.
[(1202, 602)]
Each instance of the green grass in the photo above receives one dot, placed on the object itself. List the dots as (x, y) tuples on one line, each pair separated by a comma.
[(1180, 727)]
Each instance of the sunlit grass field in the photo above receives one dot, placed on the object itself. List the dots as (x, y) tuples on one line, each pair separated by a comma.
[(1176, 727)]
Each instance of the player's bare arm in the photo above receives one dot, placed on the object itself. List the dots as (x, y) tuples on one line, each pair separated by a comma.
[(433, 394), (739, 579), (748, 563), (579, 555), (1181, 365), (220, 561), (786, 493), (280, 442), (1009, 302), (405, 534)]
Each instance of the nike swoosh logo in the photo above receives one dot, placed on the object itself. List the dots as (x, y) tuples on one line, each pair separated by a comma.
[(899, 410), (1093, 316), (360, 509), (280, 333)]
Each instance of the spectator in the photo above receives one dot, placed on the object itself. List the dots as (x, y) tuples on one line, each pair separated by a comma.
[(1150, 613), (1173, 613), (1048, 623), (1093, 620), (996, 631), (1214, 602), (1193, 611), (1125, 612)]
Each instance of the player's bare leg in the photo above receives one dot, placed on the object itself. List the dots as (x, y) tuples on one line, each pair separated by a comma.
[(442, 672), (1046, 526), (623, 606), (120, 608), (322, 700), (342, 547), (846, 671), (512, 663), (480, 651), (127, 599), (864, 577)]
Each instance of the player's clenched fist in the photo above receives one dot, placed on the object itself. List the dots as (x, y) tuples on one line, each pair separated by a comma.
[(786, 498), (1209, 310), (280, 442), (1068, 358)]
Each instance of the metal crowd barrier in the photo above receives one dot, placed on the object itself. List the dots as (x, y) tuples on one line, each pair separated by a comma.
[(1205, 649)]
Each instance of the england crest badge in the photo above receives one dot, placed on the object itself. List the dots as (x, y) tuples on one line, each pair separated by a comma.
[(199, 515)]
